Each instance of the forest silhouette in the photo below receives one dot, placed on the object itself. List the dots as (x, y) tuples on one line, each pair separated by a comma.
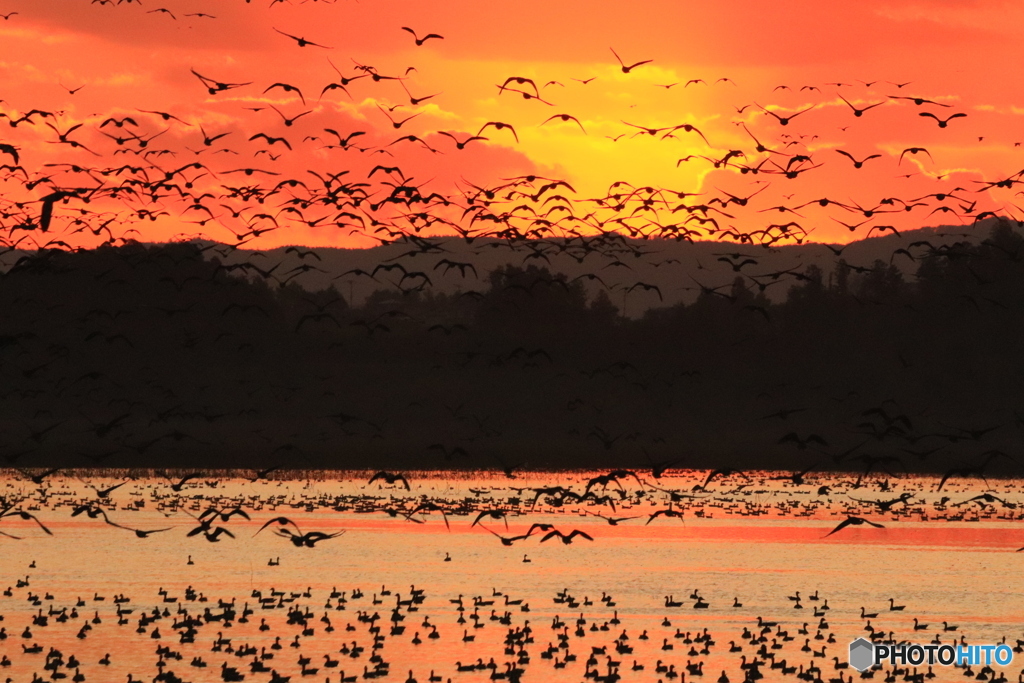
[(168, 356)]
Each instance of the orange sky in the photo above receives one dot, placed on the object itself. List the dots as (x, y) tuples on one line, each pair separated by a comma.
[(126, 57)]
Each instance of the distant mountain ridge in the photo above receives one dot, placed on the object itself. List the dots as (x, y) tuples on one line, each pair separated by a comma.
[(677, 268)]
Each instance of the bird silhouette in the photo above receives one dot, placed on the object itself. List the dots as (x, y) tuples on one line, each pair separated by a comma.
[(627, 69), (942, 122), (420, 41), (301, 42), (566, 538), (853, 521), (390, 478)]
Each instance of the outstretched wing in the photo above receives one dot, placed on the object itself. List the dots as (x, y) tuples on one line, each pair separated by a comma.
[(283, 521), (842, 525), (29, 516)]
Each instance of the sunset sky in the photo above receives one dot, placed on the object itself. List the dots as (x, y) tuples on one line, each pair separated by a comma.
[(119, 58)]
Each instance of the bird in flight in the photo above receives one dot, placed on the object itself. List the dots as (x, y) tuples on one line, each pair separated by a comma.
[(627, 69), (286, 528), (566, 538), (7, 510), (859, 111), (942, 122), (420, 41), (566, 118), (784, 120), (853, 521), (914, 150), (857, 163), (390, 478), (302, 42)]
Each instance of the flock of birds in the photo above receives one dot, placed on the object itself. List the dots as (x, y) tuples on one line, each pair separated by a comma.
[(614, 497), (597, 644), (121, 170), (288, 159), (199, 633), (289, 639)]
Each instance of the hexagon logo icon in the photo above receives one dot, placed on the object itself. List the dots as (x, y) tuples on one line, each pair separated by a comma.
[(862, 654)]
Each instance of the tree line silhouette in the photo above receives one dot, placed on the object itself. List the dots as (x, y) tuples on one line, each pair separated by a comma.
[(168, 356)]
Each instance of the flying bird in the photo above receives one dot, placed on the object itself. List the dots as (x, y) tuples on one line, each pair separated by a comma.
[(390, 478), (914, 150), (420, 41), (627, 69), (857, 163), (302, 42), (853, 521), (942, 122), (566, 538)]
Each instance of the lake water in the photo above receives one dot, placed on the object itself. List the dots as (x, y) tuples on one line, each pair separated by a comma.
[(758, 546)]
